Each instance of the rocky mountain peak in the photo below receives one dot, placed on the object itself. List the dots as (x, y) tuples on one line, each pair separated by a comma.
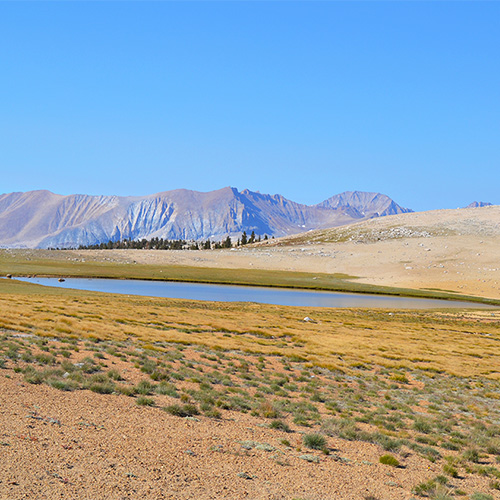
[(44, 219), (478, 204)]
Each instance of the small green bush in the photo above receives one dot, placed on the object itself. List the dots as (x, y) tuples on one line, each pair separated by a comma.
[(126, 390), (166, 389), (114, 375), (280, 426), (423, 426), (400, 377), (34, 378), (450, 470), (187, 410), (145, 401), (424, 488), (102, 387), (99, 378), (389, 460), (314, 441), (89, 365), (472, 455), (63, 385), (144, 387), (495, 485), (480, 496), (268, 410), (212, 413), (45, 359)]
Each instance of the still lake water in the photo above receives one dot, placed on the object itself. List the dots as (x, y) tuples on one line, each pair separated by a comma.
[(232, 293)]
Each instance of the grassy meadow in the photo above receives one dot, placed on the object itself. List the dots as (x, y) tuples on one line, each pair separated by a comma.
[(412, 382), (458, 343)]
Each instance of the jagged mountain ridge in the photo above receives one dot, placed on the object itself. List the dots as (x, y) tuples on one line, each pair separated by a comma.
[(479, 204), (361, 204), (41, 219)]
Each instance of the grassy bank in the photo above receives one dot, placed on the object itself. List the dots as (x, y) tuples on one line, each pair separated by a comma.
[(459, 343)]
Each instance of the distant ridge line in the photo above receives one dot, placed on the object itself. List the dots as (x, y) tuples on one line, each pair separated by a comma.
[(42, 219)]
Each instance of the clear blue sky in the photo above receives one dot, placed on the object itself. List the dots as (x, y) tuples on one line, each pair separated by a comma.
[(306, 99)]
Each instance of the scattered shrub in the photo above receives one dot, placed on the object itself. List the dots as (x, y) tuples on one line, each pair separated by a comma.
[(268, 410), (63, 385), (114, 375), (423, 426), (280, 426), (144, 388), (450, 470), (480, 496), (187, 410), (102, 387), (166, 389), (126, 390), (145, 401), (400, 378), (424, 488), (314, 441), (34, 377), (212, 413), (389, 460), (472, 455)]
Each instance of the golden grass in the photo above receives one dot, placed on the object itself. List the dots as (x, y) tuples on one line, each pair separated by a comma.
[(455, 342)]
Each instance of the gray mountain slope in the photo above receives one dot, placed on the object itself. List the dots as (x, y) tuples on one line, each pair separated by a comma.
[(43, 219), (361, 204)]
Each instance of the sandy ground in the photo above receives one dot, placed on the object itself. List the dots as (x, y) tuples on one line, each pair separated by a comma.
[(82, 445), (454, 250)]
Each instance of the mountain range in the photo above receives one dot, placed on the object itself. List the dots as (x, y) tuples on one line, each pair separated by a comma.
[(479, 204), (42, 219)]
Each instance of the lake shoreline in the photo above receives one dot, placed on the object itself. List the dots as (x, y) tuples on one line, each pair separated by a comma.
[(235, 292)]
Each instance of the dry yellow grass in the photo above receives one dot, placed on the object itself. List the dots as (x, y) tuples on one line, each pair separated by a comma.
[(456, 342)]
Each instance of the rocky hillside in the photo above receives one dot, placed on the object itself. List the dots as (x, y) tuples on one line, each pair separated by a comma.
[(41, 219)]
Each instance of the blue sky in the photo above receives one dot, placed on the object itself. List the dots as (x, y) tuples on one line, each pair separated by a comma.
[(306, 99)]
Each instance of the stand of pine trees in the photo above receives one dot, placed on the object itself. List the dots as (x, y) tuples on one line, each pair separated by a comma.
[(161, 244)]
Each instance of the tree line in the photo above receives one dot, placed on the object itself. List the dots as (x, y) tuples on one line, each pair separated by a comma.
[(165, 244)]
